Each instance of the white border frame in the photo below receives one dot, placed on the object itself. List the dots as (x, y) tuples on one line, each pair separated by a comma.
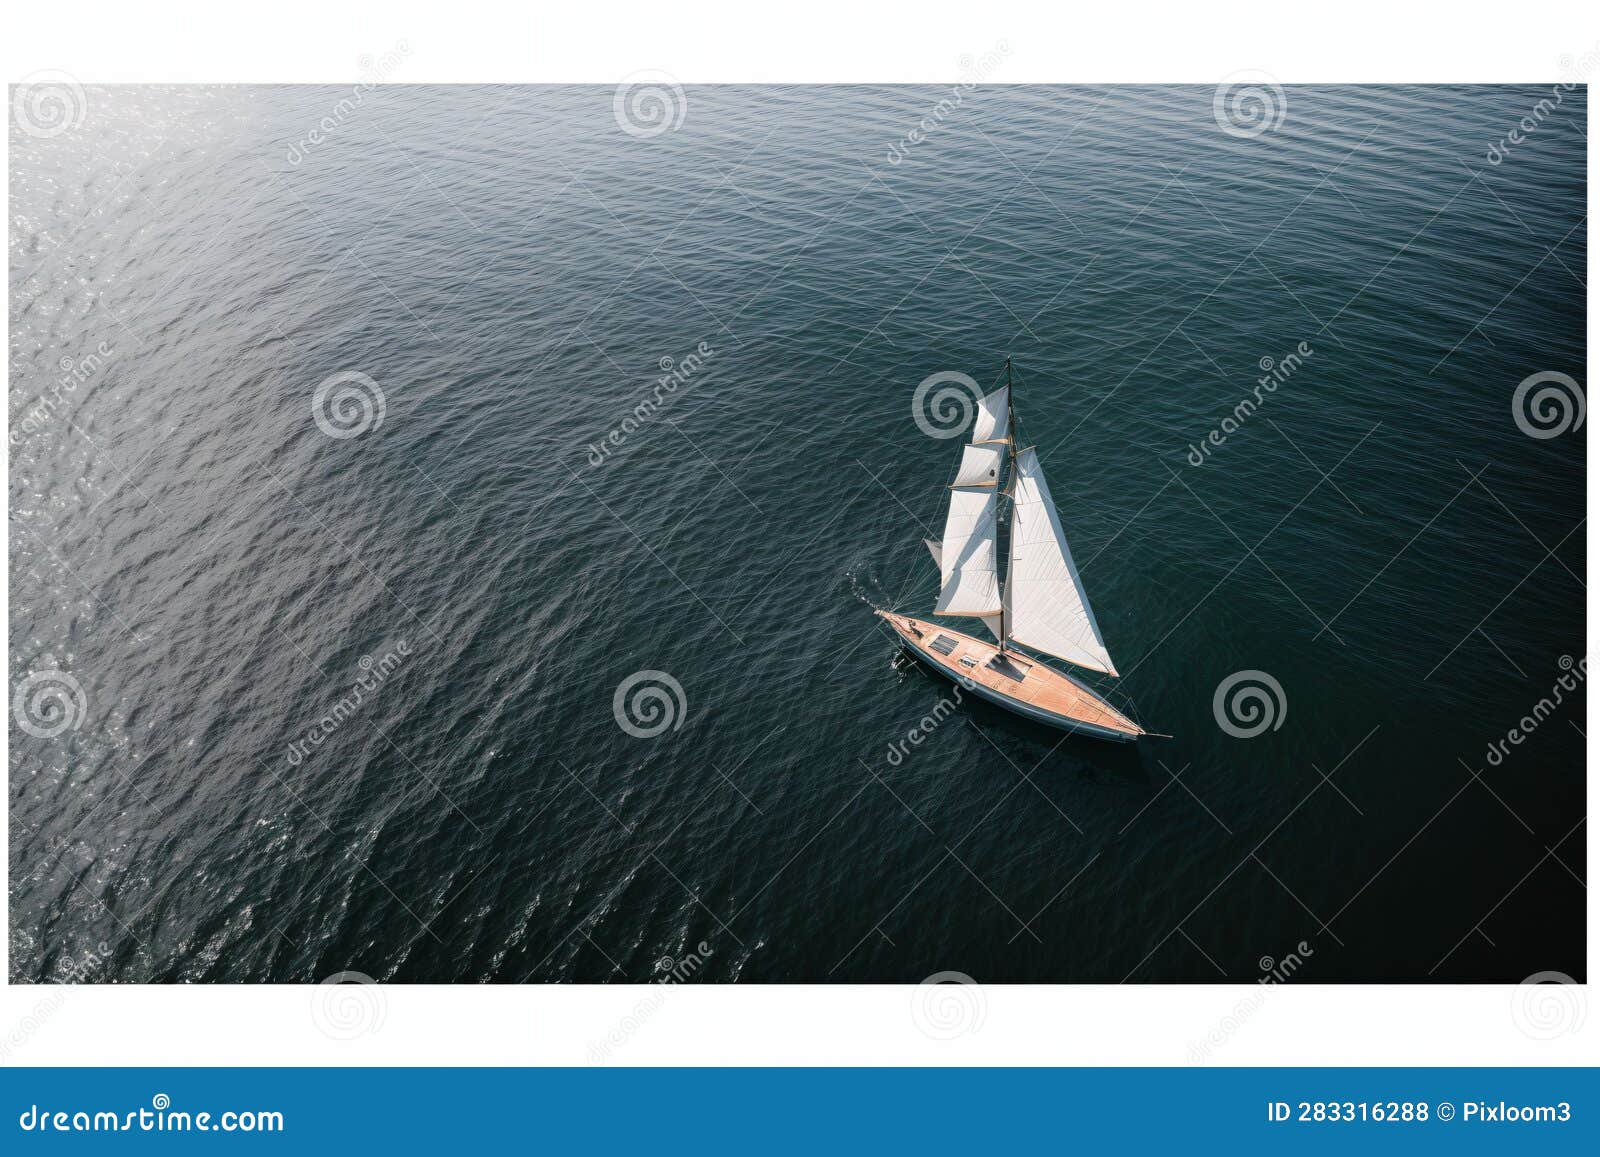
[(822, 42)]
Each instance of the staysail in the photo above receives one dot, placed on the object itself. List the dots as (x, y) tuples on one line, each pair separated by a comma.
[(980, 466), (993, 423), (968, 584), (1046, 607), (969, 581), (995, 623)]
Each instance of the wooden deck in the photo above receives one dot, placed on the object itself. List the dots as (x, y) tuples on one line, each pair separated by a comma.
[(1024, 681)]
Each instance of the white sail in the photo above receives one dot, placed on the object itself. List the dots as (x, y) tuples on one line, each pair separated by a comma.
[(1046, 606), (995, 623), (993, 423), (980, 466), (968, 582)]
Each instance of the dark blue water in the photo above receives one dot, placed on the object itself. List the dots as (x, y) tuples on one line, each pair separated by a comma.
[(300, 703)]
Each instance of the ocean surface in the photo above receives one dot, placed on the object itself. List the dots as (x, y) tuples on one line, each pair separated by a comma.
[(445, 525)]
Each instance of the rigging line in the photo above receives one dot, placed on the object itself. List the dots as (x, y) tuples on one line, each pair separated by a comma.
[(905, 583)]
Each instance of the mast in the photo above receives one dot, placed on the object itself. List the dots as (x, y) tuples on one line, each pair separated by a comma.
[(1011, 462)]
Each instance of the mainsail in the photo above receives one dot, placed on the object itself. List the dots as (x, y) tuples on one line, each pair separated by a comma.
[(1046, 607)]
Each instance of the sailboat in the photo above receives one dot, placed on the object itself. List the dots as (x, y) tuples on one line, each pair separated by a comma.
[(1041, 603)]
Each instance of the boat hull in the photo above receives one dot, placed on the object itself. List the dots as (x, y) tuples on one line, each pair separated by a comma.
[(1020, 685)]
